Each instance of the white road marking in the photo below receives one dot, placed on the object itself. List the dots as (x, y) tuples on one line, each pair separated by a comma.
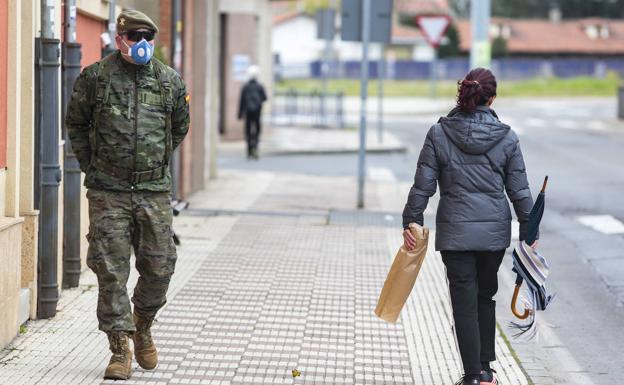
[(515, 230), (605, 224), (569, 124), (381, 174), (597, 125), (536, 122)]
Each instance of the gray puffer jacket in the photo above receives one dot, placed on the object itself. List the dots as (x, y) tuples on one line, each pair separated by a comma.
[(475, 158)]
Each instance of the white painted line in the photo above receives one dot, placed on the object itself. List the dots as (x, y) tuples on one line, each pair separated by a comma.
[(381, 174), (509, 121), (518, 130), (569, 124), (597, 125), (535, 122), (605, 224), (515, 230)]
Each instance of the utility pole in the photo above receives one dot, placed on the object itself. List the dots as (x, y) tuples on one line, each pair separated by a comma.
[(49, 173), (71, 180), (366, 15), (434, 73), (329, 21), (380, 94), (480, 50), (110, 45)]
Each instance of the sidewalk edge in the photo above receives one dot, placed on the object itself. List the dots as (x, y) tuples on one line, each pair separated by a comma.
[(514, 354)]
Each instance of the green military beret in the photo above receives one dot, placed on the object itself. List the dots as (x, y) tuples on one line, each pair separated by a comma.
[(130, 20)]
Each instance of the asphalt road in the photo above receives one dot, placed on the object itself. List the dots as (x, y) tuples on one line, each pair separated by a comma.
[(579, 144)]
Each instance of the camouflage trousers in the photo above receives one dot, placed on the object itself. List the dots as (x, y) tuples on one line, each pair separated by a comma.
[(119, 222)]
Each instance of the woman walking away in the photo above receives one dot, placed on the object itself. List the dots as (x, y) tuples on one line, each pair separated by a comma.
[(476, 159)]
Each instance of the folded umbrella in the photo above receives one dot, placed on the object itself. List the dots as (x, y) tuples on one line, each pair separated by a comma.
[(531, 267)]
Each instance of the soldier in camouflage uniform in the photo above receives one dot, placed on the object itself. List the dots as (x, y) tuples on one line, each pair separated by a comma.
[(127, 114)]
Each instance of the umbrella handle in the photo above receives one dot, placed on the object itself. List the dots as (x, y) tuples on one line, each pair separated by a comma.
[(544, 185), (514, 299)]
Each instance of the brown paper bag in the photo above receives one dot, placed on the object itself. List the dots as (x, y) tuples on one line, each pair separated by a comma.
[(402, 276)]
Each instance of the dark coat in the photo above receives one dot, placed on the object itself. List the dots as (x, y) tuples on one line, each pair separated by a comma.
[(251, 99), (475, 159)]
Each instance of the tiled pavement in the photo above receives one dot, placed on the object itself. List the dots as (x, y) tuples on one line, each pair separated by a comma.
[(276, 282)]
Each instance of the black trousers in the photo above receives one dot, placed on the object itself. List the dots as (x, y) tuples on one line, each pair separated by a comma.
[(252, 130), (473, 282)]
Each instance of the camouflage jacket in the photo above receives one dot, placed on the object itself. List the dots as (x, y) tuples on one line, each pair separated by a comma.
[(124, 121)]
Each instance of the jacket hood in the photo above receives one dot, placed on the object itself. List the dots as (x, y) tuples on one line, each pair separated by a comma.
[(474, 132)]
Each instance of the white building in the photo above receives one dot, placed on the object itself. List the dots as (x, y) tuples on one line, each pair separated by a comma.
[(295, 44)]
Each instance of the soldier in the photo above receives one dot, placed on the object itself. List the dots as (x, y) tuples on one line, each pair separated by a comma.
[(127, 114)]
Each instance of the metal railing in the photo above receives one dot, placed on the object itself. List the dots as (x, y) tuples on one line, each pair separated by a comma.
[(294, 107)]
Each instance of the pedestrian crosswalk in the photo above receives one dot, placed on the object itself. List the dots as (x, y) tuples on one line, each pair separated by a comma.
[(606, 224), (520, 126)]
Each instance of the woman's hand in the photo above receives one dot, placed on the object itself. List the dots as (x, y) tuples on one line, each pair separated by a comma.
[(535, 244), (409, 242)]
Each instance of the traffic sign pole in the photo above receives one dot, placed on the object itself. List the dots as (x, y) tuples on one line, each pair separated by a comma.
[(434, 73), (363, 95), (381, 73), (434, 28), (365, 21)]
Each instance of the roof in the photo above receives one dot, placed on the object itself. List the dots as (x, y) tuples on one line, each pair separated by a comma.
[(284, 17), (285, 10), (540, 36), (421, 7), (406, 34)]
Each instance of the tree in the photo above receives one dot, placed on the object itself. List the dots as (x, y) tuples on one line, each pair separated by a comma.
[(570, 9), (451, 48), (499, 47)]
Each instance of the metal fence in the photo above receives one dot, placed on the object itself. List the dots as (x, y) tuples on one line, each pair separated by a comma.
[(293, 107), (516, 68)]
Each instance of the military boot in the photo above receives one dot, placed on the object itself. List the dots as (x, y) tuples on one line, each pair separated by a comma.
[(120, 364), (144, 348)]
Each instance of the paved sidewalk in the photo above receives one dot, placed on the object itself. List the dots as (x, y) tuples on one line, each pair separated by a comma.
[(276, 272), (310, 141)]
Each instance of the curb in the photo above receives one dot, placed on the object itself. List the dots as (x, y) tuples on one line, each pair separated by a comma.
[(514, 354), (398, 149)]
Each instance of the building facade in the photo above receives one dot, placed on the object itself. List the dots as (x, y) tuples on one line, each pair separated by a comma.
[(192, 40)]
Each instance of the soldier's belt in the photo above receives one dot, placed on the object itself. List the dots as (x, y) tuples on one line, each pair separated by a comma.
[(133, 177)]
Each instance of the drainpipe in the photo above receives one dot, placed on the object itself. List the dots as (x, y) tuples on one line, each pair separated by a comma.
[(176, 51), (49, 170), (109, 35), (71, 181)]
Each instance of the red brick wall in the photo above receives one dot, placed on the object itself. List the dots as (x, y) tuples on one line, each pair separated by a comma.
[(4, 37)]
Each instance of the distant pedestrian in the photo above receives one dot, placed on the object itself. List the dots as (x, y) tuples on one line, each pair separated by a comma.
[(475, 159), (250, 108), (127, 114)]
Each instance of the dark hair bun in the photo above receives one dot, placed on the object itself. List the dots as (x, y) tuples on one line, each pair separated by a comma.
[(475, 89)]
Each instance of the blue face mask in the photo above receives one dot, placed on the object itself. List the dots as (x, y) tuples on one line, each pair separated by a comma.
[(140, 52)]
